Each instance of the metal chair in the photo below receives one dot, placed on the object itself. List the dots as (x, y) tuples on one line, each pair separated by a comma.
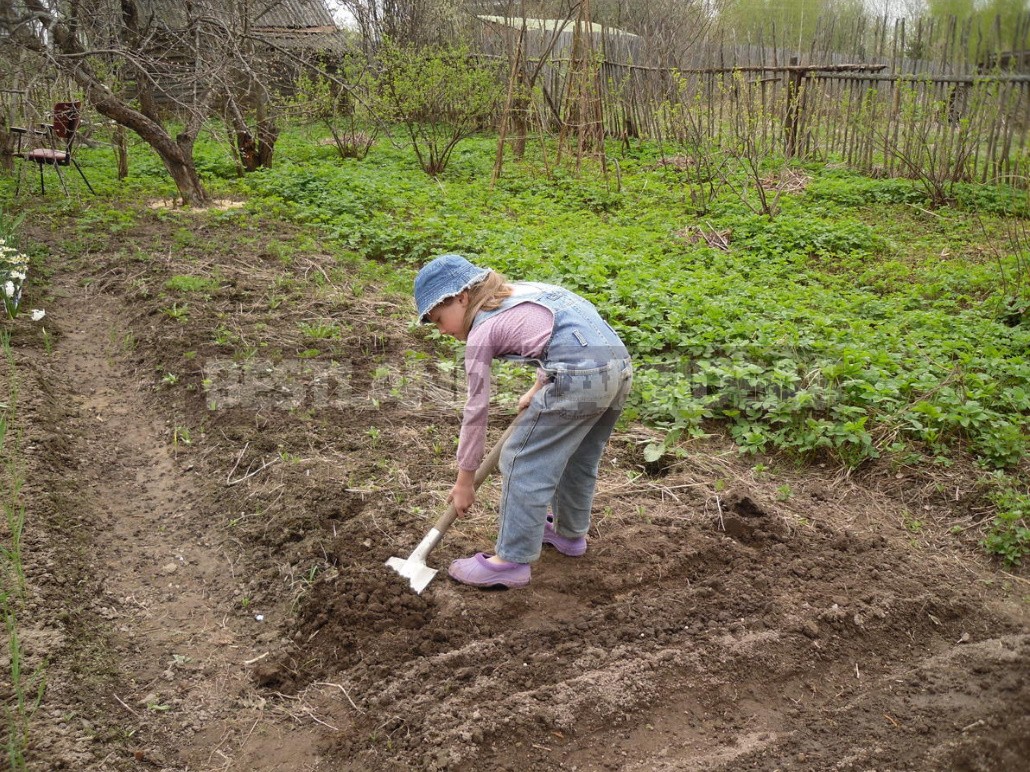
[(60, 140)]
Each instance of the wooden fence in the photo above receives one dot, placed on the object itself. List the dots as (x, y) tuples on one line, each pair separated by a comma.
[(881, 105)]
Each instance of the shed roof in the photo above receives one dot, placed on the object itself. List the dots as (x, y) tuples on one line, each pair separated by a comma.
[(262, 14)]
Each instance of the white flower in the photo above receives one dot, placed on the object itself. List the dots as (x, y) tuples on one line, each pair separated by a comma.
[(37, 314), (9, 289), (17, 275)]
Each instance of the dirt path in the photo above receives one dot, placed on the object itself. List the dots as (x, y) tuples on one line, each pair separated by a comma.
[(161, 584), (206, 580)]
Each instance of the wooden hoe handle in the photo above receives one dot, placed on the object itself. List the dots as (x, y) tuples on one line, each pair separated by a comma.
[(486, 468)]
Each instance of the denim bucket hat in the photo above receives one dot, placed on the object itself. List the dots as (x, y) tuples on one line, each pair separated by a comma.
[(444, 277)]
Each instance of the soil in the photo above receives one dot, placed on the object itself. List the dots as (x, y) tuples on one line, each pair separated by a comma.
[(211, 495)]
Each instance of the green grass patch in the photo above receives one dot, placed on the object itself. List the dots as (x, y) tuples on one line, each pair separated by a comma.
[(854, 323), (188, 284)]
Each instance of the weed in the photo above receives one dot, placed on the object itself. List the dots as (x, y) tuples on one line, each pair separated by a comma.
[(225, 337), (181, 436), (373, 433), (187, 284), (288, 458), (912, 525), (180, 313), (319, 330), (1009, 533)]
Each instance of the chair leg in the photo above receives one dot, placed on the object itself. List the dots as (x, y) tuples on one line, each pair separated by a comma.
[(79, 170), (57, 168)]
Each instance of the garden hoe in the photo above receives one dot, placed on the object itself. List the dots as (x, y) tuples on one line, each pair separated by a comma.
[(415, 568)]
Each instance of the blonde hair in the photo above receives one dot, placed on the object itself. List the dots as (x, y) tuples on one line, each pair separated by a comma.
[(487, 295)]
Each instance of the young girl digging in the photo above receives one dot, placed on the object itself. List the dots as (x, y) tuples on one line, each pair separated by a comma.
[(583, 378)]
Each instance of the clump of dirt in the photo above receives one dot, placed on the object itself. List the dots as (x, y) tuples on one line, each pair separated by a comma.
[(216, 481)]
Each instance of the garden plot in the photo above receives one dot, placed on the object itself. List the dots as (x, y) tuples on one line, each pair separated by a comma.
[(216, 474)]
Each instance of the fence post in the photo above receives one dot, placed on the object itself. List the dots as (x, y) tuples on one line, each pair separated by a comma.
[(792, 119)]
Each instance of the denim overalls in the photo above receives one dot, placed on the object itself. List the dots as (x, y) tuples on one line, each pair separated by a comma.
[(553, 454)]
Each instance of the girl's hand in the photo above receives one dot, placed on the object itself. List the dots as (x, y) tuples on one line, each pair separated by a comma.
[(462, 496), (526, 398)]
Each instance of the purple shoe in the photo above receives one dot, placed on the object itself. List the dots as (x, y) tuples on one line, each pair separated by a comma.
[(477, 572), (566, 545)]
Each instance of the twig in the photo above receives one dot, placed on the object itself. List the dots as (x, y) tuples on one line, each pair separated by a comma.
[(320, 721), (238, 459), (256, 659), (126, 706), (345, 693), (1017, 578), (247, 476), (252, 728)]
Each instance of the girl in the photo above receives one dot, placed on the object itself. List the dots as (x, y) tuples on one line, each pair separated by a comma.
[(583, 378)]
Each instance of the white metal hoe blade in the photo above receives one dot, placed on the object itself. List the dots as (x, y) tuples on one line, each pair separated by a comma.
[(414, 567)]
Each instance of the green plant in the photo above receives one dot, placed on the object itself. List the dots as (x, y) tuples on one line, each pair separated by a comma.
[(225, 337), (911, 524), (1009, 532), (288, 458), (48, 341), (373, 433), (180, 313), (440, 95), (13, 268), (181, 436), (319, 330), (186, 283), (341, 104)]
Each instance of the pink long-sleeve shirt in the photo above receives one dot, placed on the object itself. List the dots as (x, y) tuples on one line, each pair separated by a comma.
[(522, 330)]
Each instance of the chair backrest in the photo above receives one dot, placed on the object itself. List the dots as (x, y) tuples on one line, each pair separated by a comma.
[(66, 120)]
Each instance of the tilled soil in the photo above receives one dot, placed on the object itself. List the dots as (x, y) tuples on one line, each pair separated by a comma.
[(210, 499)]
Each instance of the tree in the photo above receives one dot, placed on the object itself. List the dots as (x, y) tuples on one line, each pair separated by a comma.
[(405, 22), (440, 95), (669, 27), (71, 36), (150, 73)]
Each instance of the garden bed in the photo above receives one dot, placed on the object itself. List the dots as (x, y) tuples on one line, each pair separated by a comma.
[(216, 473)]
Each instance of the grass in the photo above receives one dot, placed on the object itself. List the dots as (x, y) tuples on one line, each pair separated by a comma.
[(855, 323)]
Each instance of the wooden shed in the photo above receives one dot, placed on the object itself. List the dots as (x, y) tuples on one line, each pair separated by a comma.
[(271, 35)]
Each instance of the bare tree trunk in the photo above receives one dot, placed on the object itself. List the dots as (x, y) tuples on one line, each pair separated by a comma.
[(255, 148), (62, 47), (176, 154), (121, 150)]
